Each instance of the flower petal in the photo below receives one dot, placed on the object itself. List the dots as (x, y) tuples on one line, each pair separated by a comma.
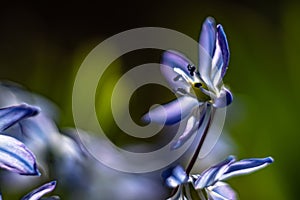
[(193, 124), (179, 173), (217, 65), (175, 176), (246, 166), (222, 41), (207, 46), (178, 195), (213, 174), (172, 182), (174, 68), (221, 191), (172, 112), (15, 157), (224, 99), (39, 192), (177, 60), (189, 130), (208, 36), (11, 115)]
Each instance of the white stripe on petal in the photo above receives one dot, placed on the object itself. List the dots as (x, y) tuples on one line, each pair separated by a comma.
[(16, 157), (213, 174), (246, 166), (221, 191)]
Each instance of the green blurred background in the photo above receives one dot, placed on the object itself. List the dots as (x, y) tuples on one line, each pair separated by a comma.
[(43, 44)]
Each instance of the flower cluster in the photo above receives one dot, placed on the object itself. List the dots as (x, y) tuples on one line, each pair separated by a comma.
[(201, 91), (58, 154)]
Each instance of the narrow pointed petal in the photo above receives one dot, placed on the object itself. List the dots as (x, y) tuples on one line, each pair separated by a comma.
[(217, 65), (207, 45), (172, 112), (213, 174), (221, 191), (174, 67), (208, 36), (11, 115), (175, 59), (224, 99), (191, 128), (246, 166), (175, 80), (222, 41), (16, 157), (41, 191)]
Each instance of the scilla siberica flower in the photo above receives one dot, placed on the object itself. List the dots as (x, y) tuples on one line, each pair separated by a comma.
[(211, 179), (200, 87), (14, 155)]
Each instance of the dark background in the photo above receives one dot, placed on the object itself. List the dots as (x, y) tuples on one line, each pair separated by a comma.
[(43, 44)]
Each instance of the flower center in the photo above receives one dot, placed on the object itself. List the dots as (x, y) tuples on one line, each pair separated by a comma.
[(197, 85), (199, 94)]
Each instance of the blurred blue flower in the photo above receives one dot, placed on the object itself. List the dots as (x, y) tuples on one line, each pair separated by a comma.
[(211, 179), (13, 114), (14, 155), (200, 86), (41, 191)]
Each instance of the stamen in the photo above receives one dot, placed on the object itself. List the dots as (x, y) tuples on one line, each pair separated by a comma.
[(191, 69), (197, 85)]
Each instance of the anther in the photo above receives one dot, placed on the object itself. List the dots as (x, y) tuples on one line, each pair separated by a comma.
[(191, 69), (197, 85)]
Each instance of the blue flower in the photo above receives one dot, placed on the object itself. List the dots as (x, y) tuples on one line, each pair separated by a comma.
[(177, 179), (13, 114), (41, 191), (200, 88), (211, 179), (14, 155)]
